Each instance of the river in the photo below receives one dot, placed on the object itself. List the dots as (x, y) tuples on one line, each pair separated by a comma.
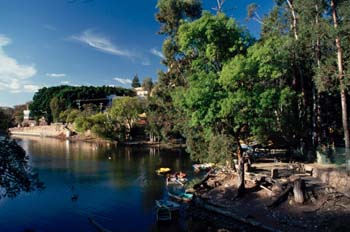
[(117, 187)]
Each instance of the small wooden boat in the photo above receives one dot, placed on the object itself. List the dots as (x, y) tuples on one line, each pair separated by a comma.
[(171, 205), (163, 214), (174, 180), (180, 196), (162, 171)]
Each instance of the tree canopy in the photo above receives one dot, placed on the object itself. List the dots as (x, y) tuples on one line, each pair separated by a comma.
[(16, 175), (68, 96)]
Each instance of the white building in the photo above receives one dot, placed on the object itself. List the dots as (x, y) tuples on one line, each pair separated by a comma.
[(141, 92)]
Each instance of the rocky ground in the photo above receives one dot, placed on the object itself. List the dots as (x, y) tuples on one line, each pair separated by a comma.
[(265, 207)]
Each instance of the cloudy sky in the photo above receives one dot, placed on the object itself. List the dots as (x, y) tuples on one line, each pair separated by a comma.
[(84, 42)]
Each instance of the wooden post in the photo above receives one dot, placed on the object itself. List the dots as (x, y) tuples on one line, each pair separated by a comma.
[(298, 191), (274, 173)]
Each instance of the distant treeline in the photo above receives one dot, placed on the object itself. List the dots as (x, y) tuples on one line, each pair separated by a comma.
[(63, 97)]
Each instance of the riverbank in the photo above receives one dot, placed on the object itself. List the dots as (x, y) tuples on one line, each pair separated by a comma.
[(60, 131), (270, 204)]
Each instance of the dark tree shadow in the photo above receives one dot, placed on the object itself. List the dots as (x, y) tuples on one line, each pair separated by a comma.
[(16, 175)]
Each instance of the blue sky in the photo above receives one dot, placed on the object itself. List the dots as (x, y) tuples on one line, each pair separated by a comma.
[(84, 42)]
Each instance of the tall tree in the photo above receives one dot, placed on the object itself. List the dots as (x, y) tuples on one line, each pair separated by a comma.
[(211, 42), (340, 64), (171, 14), (57, 105), (147, 84), (126, 110), (135, 82)]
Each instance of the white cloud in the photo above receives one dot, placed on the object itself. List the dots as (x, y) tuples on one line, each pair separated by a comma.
[(155, 52), (124, 81), (31, 88), (55, 75), (101, 43), (13, 76)]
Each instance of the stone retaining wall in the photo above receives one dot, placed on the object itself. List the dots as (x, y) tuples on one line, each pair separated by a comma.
[(336, 177), (55, 130)]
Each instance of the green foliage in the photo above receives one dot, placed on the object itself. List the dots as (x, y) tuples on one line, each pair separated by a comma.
[(171, 12), (259, 95), (164, 120), (57, 105), (135, 82), (16, 175), (101, 126), (220, 148), (69, 115), (83, 124), (5, 120), (70, 94), (147, 84), (18, 115), (212, 39), (126, 109)]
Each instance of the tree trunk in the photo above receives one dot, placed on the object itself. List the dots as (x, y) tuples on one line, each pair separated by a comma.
[(341, 76), (240, 171), (316, 97), (240, 178), (294, 24)]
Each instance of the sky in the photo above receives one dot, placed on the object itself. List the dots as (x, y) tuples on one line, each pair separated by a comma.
[(85, 42)]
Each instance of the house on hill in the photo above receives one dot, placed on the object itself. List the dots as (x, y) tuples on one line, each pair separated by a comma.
[(141, 92)]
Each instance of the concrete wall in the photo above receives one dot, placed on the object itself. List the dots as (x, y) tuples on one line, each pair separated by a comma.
[(54, 130)]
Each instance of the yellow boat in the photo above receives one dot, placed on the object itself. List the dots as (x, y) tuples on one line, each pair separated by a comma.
[(162, 171)]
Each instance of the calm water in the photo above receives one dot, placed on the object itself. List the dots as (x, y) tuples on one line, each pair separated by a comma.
[(117, 187)]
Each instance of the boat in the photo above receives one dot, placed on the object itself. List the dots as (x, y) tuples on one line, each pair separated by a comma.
[(203, 167), (163, 214), (166, 210), (171, 205), (162, 171), (174, 180), (177, 178), (181, 196)]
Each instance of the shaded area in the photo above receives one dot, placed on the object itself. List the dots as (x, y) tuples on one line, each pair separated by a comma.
[(16, 175)]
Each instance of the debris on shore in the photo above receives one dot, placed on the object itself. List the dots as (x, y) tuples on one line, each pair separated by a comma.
[(278, 197)]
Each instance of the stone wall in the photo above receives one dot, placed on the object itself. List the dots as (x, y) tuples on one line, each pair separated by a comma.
[(54, 130), (336, 177)]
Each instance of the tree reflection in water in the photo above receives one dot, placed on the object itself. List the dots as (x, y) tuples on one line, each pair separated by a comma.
[(16, 175)]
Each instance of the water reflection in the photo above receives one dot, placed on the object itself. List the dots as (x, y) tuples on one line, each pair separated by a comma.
[(16, 175), (116, 186)]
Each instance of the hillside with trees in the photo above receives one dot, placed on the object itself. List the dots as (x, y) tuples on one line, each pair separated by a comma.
[(50, 102)]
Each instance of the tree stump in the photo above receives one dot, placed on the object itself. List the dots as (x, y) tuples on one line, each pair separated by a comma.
[(298, 191), (274, 173)]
